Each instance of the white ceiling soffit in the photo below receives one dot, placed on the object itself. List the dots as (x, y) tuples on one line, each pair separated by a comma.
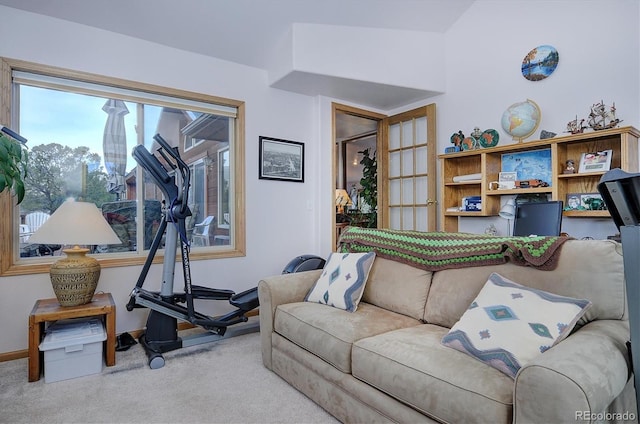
[(380, 96), (248, 31)]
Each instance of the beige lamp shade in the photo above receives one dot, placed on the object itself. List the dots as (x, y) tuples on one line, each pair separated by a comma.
[(342, 199), (75, 223), (75, 276)]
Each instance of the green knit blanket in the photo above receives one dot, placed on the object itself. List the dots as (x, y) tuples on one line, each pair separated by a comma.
[(440, 250)]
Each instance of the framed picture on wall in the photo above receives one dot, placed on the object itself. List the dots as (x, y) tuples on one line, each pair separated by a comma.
[(281, 160)]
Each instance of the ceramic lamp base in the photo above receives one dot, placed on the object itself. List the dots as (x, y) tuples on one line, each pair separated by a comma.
[(75, 277)]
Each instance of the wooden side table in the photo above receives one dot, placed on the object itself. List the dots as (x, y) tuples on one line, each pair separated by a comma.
[(46, 310)]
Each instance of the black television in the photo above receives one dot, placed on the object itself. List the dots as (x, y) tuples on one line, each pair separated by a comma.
[(538, 218)]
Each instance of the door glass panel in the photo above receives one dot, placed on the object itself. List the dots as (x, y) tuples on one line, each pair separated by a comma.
[(422, 191), (394, 136), (394, 218), (394, 192), (407, 134), (394, 164), (407, 218), (421, 219), (421, 160), (407, 162), (407, 191)]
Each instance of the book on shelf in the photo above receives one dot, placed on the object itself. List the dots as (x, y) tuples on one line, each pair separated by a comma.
[(467, 178)]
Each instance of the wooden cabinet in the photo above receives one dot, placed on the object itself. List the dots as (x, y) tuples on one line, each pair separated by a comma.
[(488, 162)]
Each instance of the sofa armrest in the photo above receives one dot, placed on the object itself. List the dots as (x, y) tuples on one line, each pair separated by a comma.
[(280, 290), (577, 378)]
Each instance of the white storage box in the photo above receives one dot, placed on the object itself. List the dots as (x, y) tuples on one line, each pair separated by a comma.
[(72, 348)]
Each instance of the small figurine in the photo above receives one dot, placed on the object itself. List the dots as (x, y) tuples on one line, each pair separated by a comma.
[(575, 127), (491, 230), (456, 138), (600, 119), (469, 143), (570, 167), (477, 133)]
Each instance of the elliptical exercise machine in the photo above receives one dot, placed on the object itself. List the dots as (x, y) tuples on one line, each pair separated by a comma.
[(166, 307)]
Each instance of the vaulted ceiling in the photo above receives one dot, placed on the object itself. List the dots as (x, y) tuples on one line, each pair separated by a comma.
[(247, 31)]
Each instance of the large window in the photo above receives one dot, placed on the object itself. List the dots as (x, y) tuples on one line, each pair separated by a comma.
[(81, 129)]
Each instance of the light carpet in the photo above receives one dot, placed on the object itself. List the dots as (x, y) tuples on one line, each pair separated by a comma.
[(222, 382)]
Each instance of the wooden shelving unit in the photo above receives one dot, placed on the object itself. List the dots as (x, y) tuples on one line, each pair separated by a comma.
[(487, 162)]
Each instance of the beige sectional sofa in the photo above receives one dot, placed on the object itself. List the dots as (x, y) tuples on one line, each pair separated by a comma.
[(385, 362)]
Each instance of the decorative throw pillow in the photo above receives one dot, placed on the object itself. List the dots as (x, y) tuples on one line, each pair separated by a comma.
[(342, 281), (507, 325)]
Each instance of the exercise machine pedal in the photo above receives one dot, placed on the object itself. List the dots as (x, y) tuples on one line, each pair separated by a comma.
[(200, 292), (247, 300)]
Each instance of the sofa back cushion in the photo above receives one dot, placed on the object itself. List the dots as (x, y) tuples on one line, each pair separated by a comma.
[(397, 287), (587, 269)]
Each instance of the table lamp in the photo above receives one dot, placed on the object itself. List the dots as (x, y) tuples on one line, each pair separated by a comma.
[(75, 276), (508, 210), (342, 199)]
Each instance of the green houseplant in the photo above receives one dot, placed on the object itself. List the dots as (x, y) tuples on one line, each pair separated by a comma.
[(369, 183), (13, 165)]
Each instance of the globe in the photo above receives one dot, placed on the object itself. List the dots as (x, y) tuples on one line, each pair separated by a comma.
[(520, 120)]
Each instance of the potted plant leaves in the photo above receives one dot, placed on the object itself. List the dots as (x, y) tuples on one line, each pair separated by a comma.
[(13, 162)]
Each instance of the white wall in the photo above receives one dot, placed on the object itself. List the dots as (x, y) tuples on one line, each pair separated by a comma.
[(598, 43), (334, 50), (277, 213), (599, 48)]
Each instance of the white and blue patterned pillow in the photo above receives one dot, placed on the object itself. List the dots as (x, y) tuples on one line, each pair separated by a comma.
[(507, 325), (342, 281)]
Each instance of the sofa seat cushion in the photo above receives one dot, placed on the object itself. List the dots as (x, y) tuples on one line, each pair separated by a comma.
[(330, 332), (411, 365)]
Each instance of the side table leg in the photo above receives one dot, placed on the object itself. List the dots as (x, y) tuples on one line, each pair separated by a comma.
[(110, 354), (34, 351)]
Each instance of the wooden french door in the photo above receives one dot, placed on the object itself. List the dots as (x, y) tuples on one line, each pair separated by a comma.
[(407, 171)]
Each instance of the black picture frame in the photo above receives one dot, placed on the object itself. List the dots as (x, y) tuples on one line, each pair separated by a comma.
[(281, 160)]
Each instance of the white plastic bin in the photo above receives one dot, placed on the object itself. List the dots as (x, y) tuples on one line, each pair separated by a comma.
[(73, 348)]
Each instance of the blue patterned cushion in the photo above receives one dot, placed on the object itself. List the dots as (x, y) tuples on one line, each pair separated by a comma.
[(507, 325), (342, 281)]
